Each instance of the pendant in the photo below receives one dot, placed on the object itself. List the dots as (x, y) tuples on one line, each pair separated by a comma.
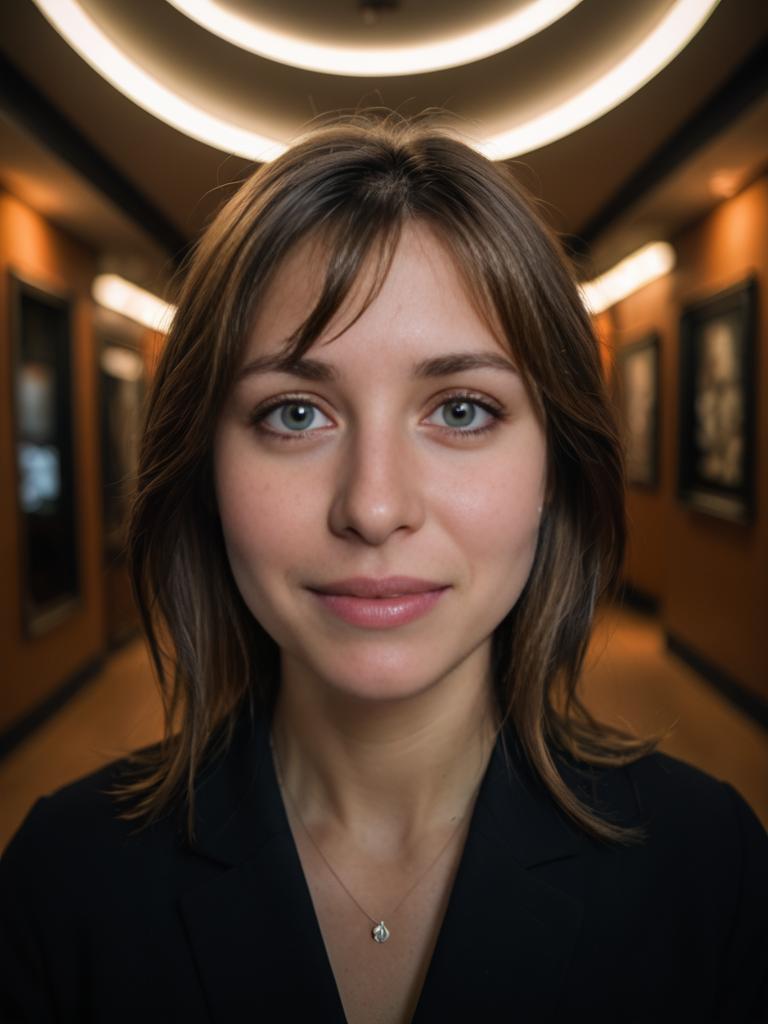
[(380, 932)]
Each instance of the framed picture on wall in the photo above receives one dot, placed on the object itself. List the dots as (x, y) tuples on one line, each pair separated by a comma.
[(44, 444), (637, 393), (122, 399), (717, 356)]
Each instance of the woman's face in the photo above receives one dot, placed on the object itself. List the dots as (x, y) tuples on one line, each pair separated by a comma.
[(392, 462)]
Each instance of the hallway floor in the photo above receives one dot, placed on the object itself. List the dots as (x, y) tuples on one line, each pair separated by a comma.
[(630, 679)]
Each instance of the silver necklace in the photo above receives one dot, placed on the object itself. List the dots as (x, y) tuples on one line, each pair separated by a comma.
[(380, 932)]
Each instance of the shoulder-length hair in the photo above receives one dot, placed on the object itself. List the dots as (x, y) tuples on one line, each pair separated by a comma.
[(353, 183)]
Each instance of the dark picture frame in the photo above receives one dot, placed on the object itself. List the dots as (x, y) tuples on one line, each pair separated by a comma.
[(50, 583), (637, 390), (717, 403)]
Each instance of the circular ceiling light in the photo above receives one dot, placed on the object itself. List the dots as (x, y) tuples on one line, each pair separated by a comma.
[(370, 61), (97, 49), (672, 33)]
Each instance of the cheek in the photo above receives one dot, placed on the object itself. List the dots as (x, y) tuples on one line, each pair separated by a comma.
[(499, 497), (493, 515), (498, 527), (260, 522), (249, 505), (264, 525)]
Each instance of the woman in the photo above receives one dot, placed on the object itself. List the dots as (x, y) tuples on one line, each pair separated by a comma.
[(380, 496)]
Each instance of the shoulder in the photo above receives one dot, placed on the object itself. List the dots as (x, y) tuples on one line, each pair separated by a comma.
[(702, 841), (80, 831), (669, 796), (89, 898), (699, 834), (704, 817), (95, 828), (696, 887), (80, 886)]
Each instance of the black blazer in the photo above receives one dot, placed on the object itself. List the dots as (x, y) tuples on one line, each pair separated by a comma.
[(543, 924)]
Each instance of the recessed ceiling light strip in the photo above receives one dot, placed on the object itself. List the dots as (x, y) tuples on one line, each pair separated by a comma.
[(641, 267), (121, 296), (665, 41), (370, 61)]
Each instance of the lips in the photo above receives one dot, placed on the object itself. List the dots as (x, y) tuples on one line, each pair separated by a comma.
[(369, 587), (368, 603)]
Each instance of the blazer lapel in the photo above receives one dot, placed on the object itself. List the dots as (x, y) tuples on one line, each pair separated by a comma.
[(252, 927), (512, 920), (516, 908)]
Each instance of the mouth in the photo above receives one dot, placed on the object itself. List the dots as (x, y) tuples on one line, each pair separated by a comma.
[(382, 611), (379, 589)]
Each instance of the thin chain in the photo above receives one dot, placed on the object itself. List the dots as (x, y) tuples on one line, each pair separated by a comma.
[(423, 875)]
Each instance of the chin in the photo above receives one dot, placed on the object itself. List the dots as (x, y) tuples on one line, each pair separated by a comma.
[(359, 679), (381, 691)]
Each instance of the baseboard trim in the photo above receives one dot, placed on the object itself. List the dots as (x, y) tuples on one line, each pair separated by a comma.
[(749, 703), (18, 732)]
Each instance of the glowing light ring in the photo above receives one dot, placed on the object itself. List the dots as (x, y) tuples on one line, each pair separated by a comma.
[(664, 42), (285, 48), (671, 35), (97, 49)]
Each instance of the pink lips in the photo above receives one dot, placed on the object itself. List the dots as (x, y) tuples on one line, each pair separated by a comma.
[(380, 604)]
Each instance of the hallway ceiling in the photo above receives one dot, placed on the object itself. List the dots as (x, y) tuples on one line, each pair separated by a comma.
[(184, 180)]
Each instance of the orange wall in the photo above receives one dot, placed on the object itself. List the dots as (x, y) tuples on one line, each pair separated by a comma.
[(33, 668), (709, 576)]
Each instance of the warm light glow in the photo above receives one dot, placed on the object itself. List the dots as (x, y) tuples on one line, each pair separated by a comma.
[(645, 265), (369, 61), (725, 184), (662, 45), (115, 293), (121, 363), (666, 40)]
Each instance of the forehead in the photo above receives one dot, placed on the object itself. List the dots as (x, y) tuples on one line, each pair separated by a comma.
[(423, 298)]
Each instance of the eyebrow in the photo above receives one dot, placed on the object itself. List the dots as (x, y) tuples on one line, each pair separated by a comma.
[(438, 366)]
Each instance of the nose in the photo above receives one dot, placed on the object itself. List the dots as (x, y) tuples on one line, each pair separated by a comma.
[(378, 488)]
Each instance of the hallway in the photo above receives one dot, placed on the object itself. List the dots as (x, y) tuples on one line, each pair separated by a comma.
[(629, 679)]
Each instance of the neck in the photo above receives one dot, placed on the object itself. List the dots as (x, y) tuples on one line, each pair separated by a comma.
[(383, 771)]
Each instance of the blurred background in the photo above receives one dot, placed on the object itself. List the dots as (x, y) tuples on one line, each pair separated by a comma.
[(641, 129)]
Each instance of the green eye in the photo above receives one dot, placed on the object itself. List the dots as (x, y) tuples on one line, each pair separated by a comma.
[(296, 414), (459, 416), (462, 412), (289, 417)]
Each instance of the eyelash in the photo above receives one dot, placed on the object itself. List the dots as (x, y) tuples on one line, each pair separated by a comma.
[(497, 414)]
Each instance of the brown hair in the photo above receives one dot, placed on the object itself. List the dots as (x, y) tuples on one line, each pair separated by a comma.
[(353, 182)]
